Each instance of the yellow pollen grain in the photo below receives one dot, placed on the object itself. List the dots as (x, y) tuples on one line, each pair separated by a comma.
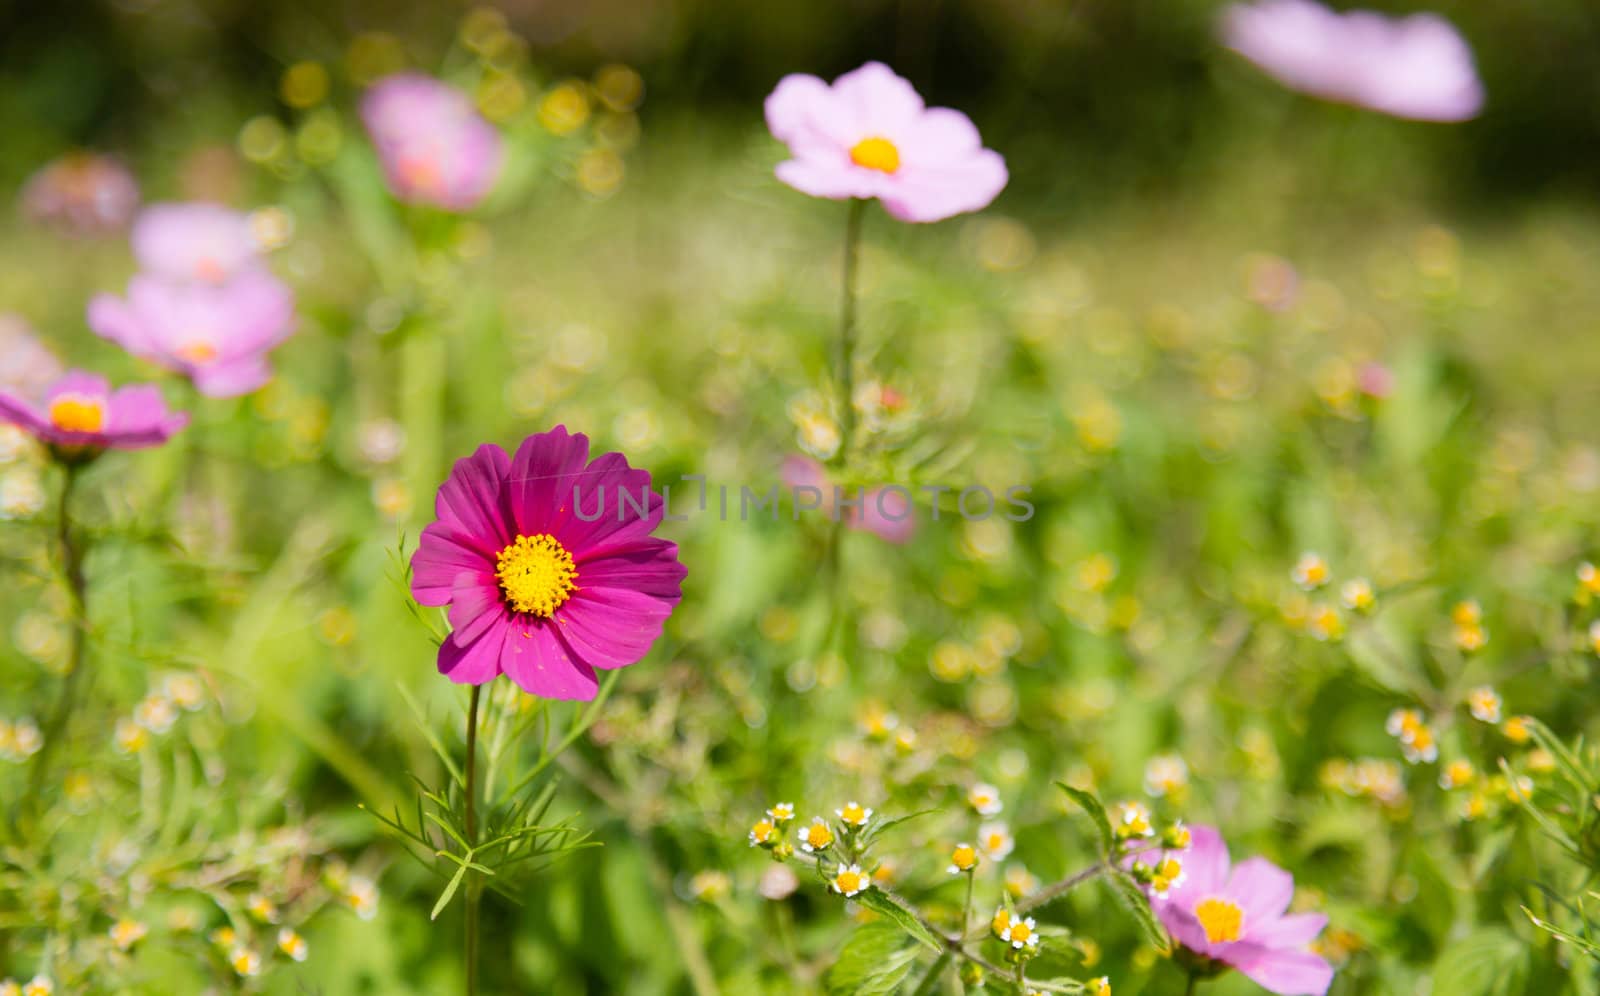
[(1221, 919), (72, 413), (537, 575), (876, 153)]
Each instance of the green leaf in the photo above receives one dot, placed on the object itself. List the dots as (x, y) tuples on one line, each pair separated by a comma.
[(1583, 944), (1565, 759), (1486, 962), (883, 826), (1089, 804), (1133, 899), (1549, 826), (888, 905), (874, 962), (449, 892)]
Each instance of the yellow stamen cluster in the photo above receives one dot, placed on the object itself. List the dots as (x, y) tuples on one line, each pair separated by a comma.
[(876, 153), (1588, 583), (1100, 986), (78, 413), (292, 944), (850, 881), (1020, 932), (1310, 571), (1516, 729), (125, 933), (1357, 595), (963, 859), (1221, 919), (1484, 703), (537, 575), (1416, 737), (996, 841), (1166, 875), (763, 834), (854, 815), (816, 837), (1166, 775), (1456, 774), (246, 963)]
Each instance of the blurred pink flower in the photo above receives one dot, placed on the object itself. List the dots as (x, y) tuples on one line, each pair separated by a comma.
[(217, 335), (195, 241), (548, 565), (434, 146), (83, 193), (27, 367), (869, 135), (1415, 67), (884, 512), (1238, 915), (82, 417), (1376, 380)]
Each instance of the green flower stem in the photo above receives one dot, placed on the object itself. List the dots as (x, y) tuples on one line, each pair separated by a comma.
[(72, 554), (845, 370), (474, 889)]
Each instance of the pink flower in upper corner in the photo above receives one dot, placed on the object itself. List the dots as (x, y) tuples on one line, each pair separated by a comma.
[(869, 135), (1238, 915), (81, 416), (27, 367), (83, 193), (884, 512), (548, 565), (434, 146), (196, 241), (1416, 67), (217, 335)]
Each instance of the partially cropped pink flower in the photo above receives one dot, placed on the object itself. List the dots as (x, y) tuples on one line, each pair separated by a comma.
[(1414, 67), (27, 367), (217, 335), (83, 193), (196, 241), (885, 512), (548, 564), (869, 135), (1238, 915), (81, 416), (434, 146)]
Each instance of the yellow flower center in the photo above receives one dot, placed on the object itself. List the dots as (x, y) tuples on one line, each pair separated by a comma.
[(1169, 869), (964, 857), (1020, 931), (198, 352), (537, 574), (849, 881), (76, 413), (1221, 919), (1001, 922), (818, 835), (996, 841), (762, 831), (853, 814), (876, 153)]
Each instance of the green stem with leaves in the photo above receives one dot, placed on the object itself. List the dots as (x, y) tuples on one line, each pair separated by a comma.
[(474, 889), (72, 553)]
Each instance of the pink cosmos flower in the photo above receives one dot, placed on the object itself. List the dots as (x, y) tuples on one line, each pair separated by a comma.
[(869, 135), (81, 416), (197, 241), (884, 512), (27, 367), (548, 565), (1415, 67), (83, 193), (217, 335), (434, 146), (1237, 915)]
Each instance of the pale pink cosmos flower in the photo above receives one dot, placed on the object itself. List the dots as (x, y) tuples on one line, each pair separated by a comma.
[(433, 145), (82, 193), (81, 416), (869, 135), (885, 512), (1415, 67), (195, 241), (1237, 916), (217, 335), (27, 366)]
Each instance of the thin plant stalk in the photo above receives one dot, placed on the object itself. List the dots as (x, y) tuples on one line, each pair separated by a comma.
[(474, 891), (845, 359), (72, 554)]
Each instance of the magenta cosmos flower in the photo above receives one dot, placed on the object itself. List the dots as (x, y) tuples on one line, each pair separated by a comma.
[(81, 416), (1415, 67), (869, 135), (217, 335), (548, 565), (434, 146), (1237, 916), (201, 242), (884, 512)]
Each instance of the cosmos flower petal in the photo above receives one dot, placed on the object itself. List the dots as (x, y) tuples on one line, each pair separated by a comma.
[(18, 412), (111, 318), (230, 380), (543, 472), (800, 111), (1288, 972), (835, 182), (475, 605), (442, 555), (611, 494), (541, 664), (879, 101), (472, 499), (613, 627), (478, 661), (1205, 864), (650, 567), (1291, 931), (139, 417), (927, 194), (1261, 887)]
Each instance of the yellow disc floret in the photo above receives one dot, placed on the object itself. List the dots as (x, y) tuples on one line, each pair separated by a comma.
[(1221, 919), (876, 153), (77, 413), (537, 574)]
